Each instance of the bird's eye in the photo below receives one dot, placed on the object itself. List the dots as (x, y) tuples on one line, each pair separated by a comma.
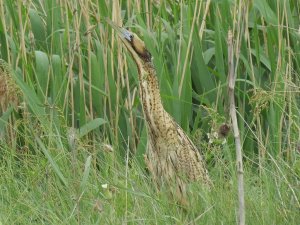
[(131, 37)]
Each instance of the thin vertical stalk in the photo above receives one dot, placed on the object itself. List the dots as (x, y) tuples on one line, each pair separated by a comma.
[(201, 30), (147, 14), (289, 81), (77, 23), (22, 53), (180, 37), (116, 17), (86, 15), (232, 111), (70, 74)]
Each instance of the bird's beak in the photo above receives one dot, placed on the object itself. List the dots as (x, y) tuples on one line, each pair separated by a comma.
[(124, 34), (133, 43)]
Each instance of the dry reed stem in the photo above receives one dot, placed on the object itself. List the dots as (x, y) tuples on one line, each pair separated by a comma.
[(239, 159)]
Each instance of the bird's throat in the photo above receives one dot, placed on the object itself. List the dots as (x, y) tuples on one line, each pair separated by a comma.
[(151, 100)]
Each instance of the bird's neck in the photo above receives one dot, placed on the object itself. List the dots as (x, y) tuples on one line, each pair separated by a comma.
[(150, 97)]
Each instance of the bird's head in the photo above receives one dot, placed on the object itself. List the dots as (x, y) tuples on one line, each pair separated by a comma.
[(134, 45)]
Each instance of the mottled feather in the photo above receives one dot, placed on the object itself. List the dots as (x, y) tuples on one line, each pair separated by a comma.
[(171, 157)]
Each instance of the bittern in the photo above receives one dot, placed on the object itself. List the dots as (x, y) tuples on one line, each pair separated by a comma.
[(171, 157)]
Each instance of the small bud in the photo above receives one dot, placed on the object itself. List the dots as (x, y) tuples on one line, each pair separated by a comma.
[(224, 130)]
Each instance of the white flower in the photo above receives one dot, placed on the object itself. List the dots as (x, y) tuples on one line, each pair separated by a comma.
[(104, 186)]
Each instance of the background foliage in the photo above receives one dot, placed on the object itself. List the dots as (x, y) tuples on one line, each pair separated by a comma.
[(79, 124)]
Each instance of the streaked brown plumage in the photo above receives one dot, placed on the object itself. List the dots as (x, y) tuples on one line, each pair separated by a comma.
[(171, 157)]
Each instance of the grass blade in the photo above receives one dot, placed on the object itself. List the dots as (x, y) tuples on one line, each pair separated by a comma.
[(51, 161)]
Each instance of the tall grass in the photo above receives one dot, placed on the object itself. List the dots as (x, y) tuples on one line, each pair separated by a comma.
[(80, 125)]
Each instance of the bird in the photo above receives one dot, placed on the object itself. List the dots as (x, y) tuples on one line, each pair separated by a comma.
[(171, 157)]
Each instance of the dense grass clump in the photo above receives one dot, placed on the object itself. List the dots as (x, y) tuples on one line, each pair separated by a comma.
[(72, 148)]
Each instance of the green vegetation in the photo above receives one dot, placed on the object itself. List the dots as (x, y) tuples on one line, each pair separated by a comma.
[(79, 124)]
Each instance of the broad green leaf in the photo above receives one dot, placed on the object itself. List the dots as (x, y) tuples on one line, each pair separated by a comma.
[(208, 54), (3, 34), (90, 126), (42, 73), (59, 81), (38, 28), (97, 81), (202, 79)]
